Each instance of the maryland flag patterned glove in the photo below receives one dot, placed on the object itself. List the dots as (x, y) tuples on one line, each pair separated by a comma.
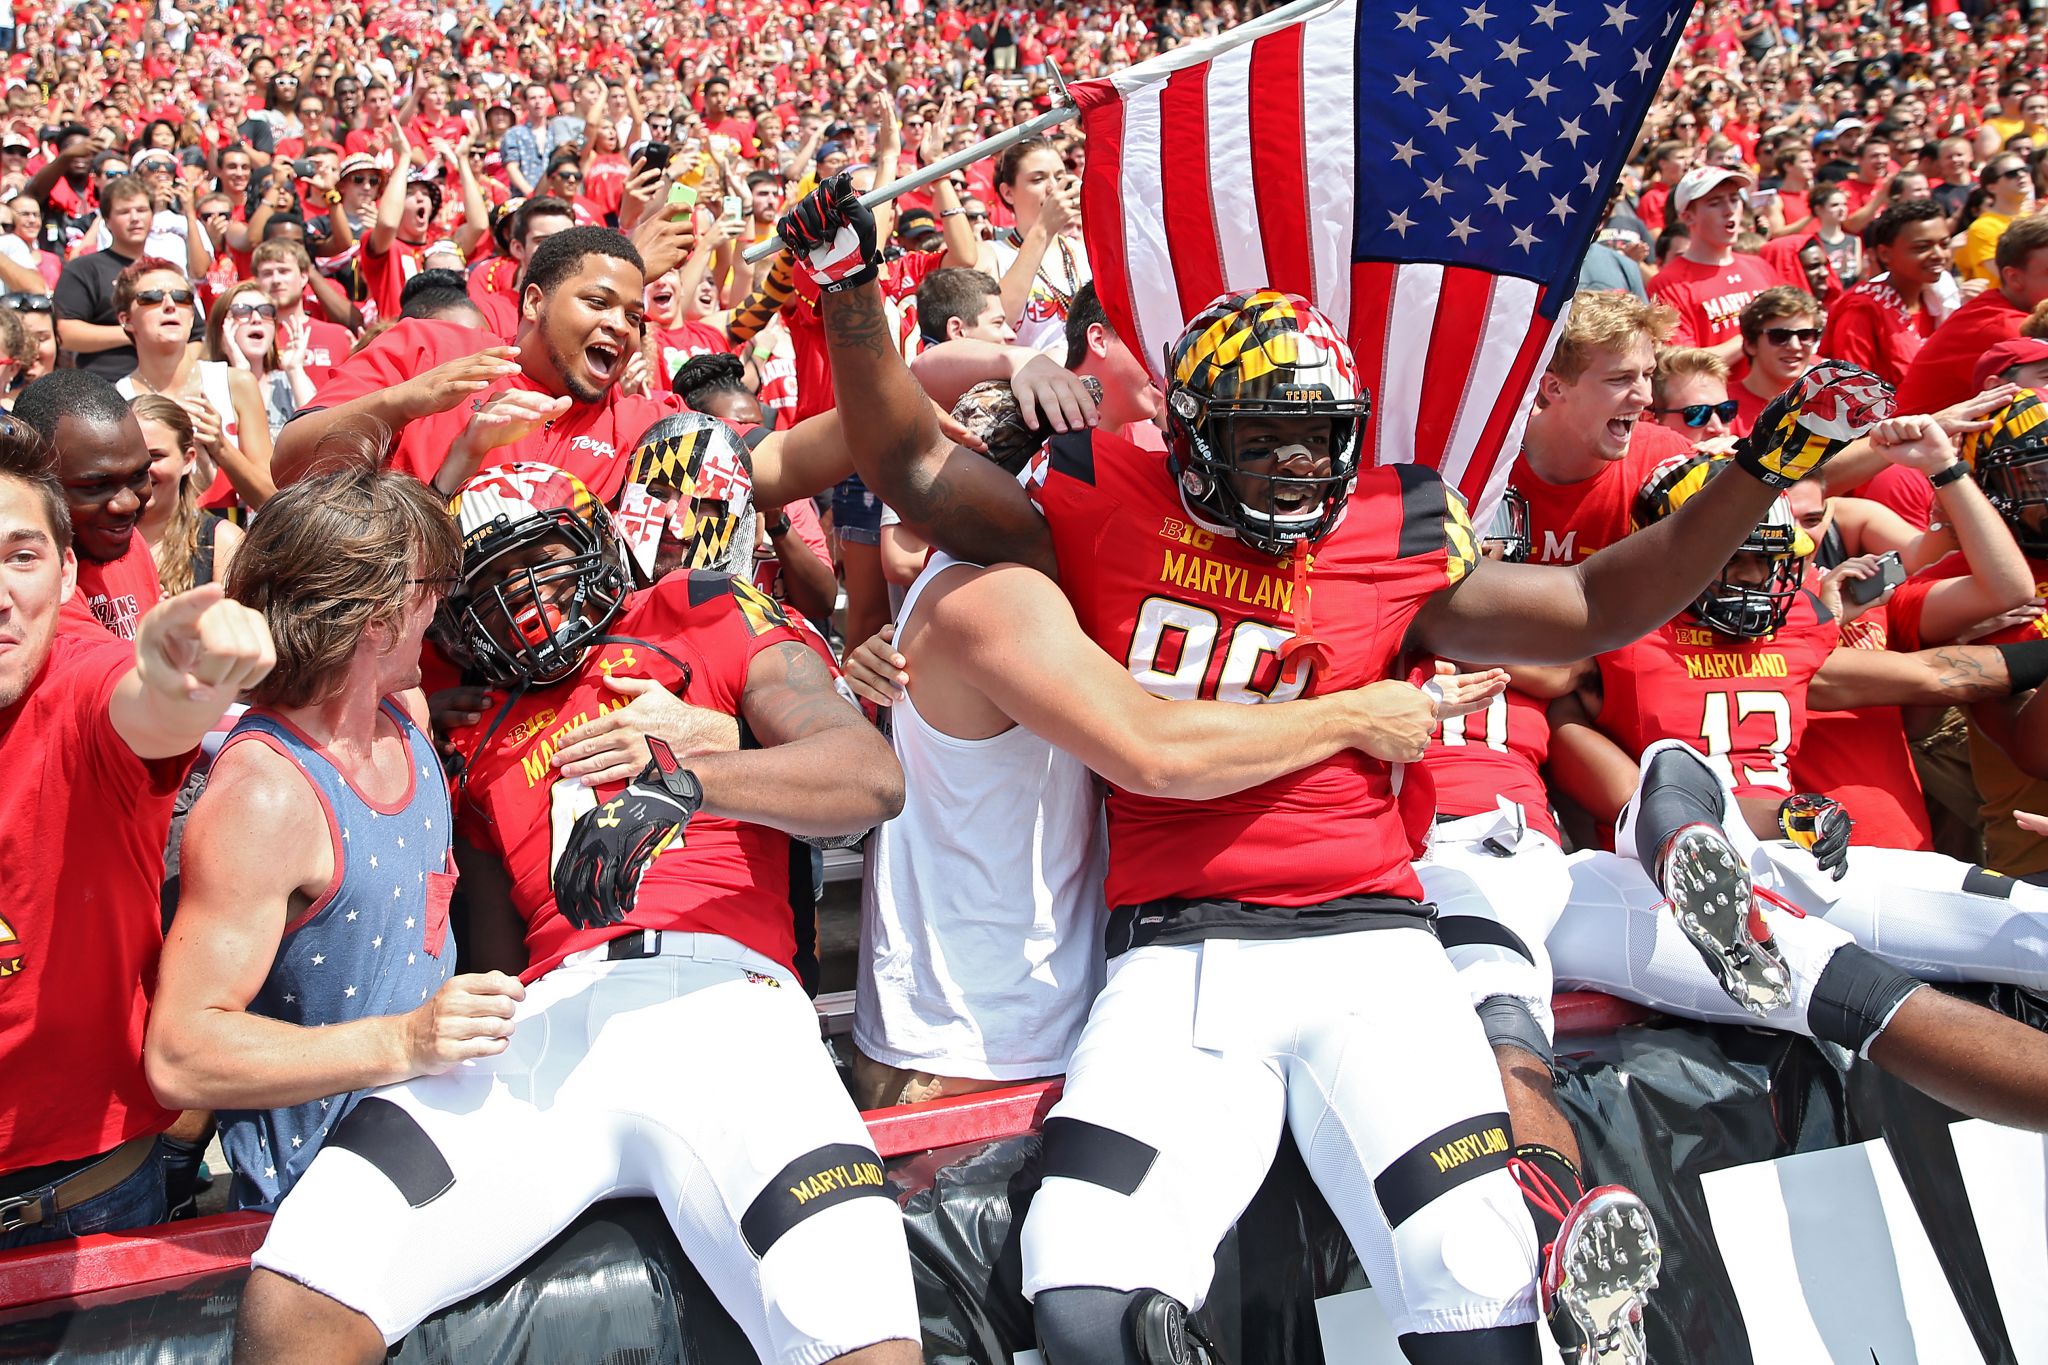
[(1808, 424), (834, 235), (1821, 826), (598, 875)]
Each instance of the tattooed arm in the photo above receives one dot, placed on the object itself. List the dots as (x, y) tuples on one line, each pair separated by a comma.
[(1954, 675), (806, 730), (948, 495)]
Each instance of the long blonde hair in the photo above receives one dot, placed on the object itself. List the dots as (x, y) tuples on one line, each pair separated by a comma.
[(174, 549)]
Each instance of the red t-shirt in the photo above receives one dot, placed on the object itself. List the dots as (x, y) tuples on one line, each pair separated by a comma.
[(112, 597), (1654, 207), (725, 876), (685, 342), (1869, 326), (1710, 298), (593, 441), (1944, 371), (1740, 702), (1568, 521), (1748, 407), (81, 921), (384, 277), (327, 344), (1198, 613), (1477, 759), (1861, 758), (1905, 491)]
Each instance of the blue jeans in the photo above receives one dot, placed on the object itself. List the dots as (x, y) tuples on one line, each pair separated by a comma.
[(856, 513), (137, 1202)]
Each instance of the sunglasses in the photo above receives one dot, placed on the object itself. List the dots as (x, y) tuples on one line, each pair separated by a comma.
[(1696, 414), (252, 310), (569, 177), (25, 303), (152, 297), (2008, 173), (1785, 336), (364, 180)]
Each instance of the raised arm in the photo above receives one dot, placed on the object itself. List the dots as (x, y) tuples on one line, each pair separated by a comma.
[(194, 655), (952, 497)]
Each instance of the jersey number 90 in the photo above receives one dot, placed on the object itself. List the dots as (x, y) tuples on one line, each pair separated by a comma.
[(1174, 654)]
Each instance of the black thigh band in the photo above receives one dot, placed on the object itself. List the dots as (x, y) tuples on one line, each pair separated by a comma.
[(1856, 996), (392, 1140), (1440, 1163), (1465, 931), (814, 1182), (1080, 1150)]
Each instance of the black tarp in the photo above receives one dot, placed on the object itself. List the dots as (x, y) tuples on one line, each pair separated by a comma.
[(1655, 1107)]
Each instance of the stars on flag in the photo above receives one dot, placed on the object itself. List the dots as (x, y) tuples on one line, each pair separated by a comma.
[(1442, 192)]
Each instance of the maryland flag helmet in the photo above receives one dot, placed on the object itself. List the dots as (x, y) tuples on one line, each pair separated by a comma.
[(692, 477), (521, 616), (1509, 528), (1745, 610), (1263, 354), (2011, 462)]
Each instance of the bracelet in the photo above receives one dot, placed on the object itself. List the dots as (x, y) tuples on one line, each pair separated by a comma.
[(779, 527), (1955, 473), (951, 213), (332, 197)]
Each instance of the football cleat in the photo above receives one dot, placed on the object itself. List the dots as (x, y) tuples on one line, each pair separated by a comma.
[(1600, 1270), (1709, 890)]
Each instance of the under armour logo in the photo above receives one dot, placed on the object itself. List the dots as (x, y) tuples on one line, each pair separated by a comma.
[(625, 660), (608, 814)]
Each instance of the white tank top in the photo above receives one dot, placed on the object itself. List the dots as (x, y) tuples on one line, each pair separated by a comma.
[(981, 908)]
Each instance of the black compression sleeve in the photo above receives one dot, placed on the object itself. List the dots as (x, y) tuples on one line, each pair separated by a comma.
[(2026, 662)]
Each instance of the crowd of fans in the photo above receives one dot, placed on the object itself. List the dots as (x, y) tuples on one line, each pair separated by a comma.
[(233, 236)]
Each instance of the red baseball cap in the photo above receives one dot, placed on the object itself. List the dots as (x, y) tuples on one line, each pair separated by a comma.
[(2006, 354)]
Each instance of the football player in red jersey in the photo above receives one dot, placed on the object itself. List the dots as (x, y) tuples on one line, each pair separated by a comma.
[(657, 959), (1732, 677), (1506, 893), (1271, 951)]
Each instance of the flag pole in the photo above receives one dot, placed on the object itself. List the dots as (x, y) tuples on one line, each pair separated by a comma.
[(1187, 54), (941, 168)]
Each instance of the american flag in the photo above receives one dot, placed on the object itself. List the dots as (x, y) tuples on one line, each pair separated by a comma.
[(1429, 176)]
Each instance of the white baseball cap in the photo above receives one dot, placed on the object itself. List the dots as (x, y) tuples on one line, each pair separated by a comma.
[(1701, 181)]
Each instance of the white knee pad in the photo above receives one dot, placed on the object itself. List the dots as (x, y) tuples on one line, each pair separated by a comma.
[(1467, 1258)]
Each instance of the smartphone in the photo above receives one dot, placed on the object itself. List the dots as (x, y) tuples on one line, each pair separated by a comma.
[(304, 168), (1763, 199), (730, 213), (682, 196), (1890, 573), (655, 155)]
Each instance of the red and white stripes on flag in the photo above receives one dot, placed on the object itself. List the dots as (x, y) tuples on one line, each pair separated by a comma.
[(1229, 164)]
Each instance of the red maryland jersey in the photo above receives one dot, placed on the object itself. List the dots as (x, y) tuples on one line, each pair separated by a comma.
[(1477, 759), (724, 877), (1194, 612), (1740, 702), (1568, 521)]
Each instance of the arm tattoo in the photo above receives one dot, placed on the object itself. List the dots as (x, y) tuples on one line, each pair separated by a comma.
[(1963, 675), (796, 701), (858, 320)]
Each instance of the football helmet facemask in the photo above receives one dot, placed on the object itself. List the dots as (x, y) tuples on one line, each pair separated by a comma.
[(530, 623), (1509, 528), (2011, 463), (1733, 607), (1263, 354)]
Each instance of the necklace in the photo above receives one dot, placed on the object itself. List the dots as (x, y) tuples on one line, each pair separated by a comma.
[(1063, 297)]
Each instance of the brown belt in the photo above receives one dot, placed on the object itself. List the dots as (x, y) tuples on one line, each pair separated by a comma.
[(78, 1187)]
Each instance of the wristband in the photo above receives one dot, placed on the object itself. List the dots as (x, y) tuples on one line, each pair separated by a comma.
[(2026, 663), (779, 527), (951, 213), (332, 197), (1955, 473)]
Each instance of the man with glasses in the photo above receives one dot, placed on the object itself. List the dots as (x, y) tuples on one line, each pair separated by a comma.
[(1781, 330), (2010, 188), (36, 320), (1689, 395), (564, 181), (87, 323)]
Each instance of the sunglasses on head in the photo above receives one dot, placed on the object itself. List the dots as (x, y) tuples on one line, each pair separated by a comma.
[(252, 310), (152, 297), (1785, 336), (1697, 414)]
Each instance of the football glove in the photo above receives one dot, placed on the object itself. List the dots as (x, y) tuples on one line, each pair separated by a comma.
[(610, 845), (1807, 425), (833, 234), (1821, 826)]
